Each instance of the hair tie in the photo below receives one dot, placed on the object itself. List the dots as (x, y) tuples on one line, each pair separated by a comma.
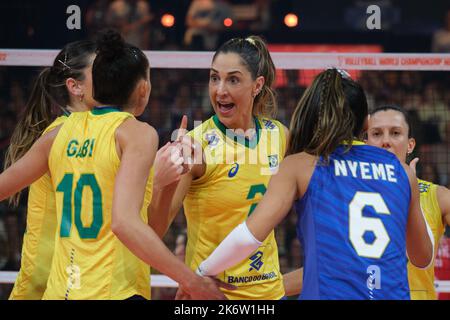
[(344, 74), (252, 41)]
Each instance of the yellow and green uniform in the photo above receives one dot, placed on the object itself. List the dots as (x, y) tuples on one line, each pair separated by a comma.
[(238, 171), (90, 262), (421, 282), (39, 237)]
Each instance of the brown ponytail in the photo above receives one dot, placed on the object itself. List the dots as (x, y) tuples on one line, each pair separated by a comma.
[(35, 118), (49, 98), (331, 110)]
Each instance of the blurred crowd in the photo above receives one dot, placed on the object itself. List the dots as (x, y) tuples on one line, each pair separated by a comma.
[(423, 94), (140, 24), (203, 23)]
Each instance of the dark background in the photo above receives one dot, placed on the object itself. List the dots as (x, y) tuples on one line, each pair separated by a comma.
[(407, 26)]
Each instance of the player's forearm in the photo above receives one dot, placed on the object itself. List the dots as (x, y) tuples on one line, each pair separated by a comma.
[(293, 282), (419, 238), (237, 246), (7, 185), (159, 214), (140, 239), (17, 177), (420, 242), (27, 169)]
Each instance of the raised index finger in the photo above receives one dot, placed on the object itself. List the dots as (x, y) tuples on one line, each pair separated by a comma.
[(183, 126)]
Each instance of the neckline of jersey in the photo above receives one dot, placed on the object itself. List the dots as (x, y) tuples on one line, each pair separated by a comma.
[(354, 143), (249, 143), (104, 110)]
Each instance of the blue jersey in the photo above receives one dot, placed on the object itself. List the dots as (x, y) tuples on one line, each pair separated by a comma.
[(352, 226)]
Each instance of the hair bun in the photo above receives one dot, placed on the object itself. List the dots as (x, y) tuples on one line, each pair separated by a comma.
[(110, 44)]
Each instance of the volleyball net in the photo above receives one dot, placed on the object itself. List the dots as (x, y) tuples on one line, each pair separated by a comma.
[(417, 82)]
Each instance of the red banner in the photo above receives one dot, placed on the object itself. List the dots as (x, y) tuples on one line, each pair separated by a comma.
[(305, 77), (442, 265)]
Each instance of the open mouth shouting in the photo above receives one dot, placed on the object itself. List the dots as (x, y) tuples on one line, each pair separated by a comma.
[(225, 108)]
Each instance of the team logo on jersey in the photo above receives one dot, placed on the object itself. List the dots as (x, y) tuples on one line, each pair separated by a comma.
[(269, 124), (273, 162), (256, 261), (233, 171), (423, 187), (212, 138)]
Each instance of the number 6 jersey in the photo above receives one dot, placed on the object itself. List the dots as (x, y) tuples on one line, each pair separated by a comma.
[(352, 226), (89, 261)]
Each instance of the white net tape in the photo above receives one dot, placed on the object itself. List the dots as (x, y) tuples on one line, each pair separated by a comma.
[(161, 281), (282, 60), (157, 281)]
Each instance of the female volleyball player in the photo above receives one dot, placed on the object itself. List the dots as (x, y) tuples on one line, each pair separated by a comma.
[(100, 163), (390, 129), (358, 206), (241, 147), (65, 85)]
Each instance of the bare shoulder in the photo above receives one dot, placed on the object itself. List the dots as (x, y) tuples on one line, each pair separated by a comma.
[(136, 134), (301, 159), (443, 196), (443, 191), (301, 166), (138, 130), (52, 133), (286, 130), (46, 140)]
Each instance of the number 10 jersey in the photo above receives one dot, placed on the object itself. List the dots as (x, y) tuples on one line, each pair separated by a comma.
[(89, 261)]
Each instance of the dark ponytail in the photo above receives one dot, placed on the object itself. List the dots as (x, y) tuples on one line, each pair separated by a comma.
[(49, 97), (117, 69), (256, 57), (332, 110)]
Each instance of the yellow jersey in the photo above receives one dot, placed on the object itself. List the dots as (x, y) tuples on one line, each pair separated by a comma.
[(237, 173), (421, 282), (39, 237), (89, 261)]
